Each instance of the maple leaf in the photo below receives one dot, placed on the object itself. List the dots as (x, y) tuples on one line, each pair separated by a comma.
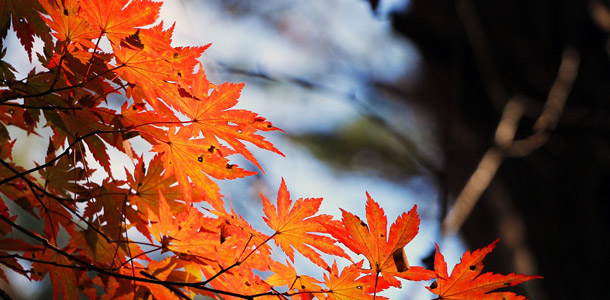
[(287, 275), (146, 185), (149, 74), (62, 178), (182, 233), (96, 249), (18, 189), (240, 243), (66, 123), (15, 116), (65, 280), (26, 21), (211, 115), (153, 68), (67, 23), (243, 281), (295, 228), (139, 119), (110, 206), (183, 156), (120, 18), (168, 269), (347, 284), (465, 283), (241, 253), (384, 253)]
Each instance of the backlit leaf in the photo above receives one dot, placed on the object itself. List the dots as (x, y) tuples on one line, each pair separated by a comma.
[(297, 227), (466, 281), (373, 242)]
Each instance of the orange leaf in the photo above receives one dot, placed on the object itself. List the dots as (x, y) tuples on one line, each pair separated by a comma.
[(181, 233), (287, 275), (146, 184), (187, 158), (294, 227), (347, 285), (465, 283), (153, 68), (372, 241), (243, 281), (170, 269), (67, 23), (64, 280), (149, 74), (211, 115), (117, 19), (239, 240)]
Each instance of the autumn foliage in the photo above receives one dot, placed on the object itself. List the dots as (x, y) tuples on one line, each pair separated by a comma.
[(84, 241)]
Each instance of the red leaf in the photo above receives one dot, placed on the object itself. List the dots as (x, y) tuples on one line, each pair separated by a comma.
[(371, 240), (465, 283)]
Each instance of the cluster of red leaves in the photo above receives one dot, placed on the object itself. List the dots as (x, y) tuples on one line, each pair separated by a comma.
[(82, 238)]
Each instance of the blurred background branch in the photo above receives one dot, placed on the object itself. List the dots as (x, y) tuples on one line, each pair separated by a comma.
[(505, 145)]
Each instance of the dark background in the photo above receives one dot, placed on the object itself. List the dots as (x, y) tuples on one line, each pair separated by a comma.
[(558, 193)]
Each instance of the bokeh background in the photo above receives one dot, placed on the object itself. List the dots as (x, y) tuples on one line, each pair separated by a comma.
[(407, 99)]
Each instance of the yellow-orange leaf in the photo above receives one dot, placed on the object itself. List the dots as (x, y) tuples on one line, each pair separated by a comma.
[(146, 183)]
